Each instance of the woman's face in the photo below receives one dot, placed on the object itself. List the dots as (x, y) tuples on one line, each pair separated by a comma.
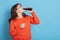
[(19, 9)]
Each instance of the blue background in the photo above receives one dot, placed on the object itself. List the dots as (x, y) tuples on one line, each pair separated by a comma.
[(48, 12)]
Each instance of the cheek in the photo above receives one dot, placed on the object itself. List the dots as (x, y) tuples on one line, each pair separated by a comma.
[(17, 11), (20, 10)]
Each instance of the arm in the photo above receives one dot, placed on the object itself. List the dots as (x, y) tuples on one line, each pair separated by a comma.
[(13, 29), (34, 19)]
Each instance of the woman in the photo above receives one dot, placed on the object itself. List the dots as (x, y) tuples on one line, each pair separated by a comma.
[(20, 23)]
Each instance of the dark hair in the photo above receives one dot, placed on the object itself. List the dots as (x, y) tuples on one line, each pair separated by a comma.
[(13, 12)]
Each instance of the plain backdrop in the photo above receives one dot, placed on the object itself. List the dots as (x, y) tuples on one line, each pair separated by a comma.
[(48, 12)]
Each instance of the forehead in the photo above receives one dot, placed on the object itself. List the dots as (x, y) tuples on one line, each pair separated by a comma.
[(19, 5)]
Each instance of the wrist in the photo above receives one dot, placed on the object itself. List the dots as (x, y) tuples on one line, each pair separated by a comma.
[(31, 11)]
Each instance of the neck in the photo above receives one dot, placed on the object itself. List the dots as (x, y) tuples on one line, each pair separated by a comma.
[(20, 15)]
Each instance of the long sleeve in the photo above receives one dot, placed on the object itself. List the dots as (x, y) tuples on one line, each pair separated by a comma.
[(13, 29), (34, 19)]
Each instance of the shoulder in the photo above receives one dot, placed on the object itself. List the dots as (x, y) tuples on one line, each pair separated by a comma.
[(28, 16), (11, 21)]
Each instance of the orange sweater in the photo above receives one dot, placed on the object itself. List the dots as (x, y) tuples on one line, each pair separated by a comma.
[(18, 33)]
